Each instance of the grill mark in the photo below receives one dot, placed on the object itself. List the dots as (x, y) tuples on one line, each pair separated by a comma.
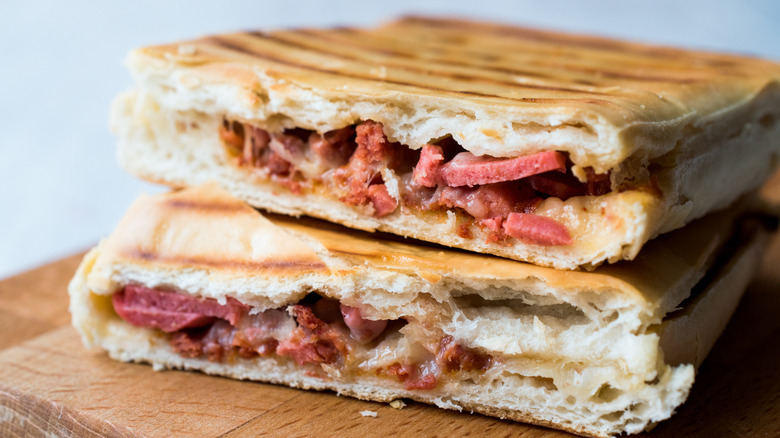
[(233, 46), (529, 34), (283, 265), (378, 255), (411, 55), (597, 43), (595, 72), (441, 62), (204, 206)]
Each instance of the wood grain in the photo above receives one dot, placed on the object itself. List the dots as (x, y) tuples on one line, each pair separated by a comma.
[(51, 386)]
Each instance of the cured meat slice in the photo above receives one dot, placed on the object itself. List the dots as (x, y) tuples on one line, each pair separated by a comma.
[(467, 169), (171, 311), (536, 229)]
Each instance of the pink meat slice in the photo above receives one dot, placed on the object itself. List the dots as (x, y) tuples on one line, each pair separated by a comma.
[(171, 311), (362, 172), (493, 223), (361, 329), (431, 158), (485, 202), (314, 341), (383, 203), (467, 169), (536, 229)]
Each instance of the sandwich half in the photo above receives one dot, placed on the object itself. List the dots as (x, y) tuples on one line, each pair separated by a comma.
[(560, 150), (199, 280)]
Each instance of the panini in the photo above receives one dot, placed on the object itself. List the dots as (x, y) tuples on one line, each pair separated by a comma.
[(199, 280), (560, 150)]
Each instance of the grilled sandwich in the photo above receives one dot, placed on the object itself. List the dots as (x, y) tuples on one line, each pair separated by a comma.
[(199, 280), (560, 150)]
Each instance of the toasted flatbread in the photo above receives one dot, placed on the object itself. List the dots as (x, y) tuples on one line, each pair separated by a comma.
[(574, 150), (596, 353)]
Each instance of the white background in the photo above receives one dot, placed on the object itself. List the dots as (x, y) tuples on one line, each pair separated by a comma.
[(60, 65)]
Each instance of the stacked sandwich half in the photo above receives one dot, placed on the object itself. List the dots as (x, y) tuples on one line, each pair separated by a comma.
[(529, 171)]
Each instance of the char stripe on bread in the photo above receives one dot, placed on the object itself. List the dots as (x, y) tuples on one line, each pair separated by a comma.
[(279, 266), (605, 46)]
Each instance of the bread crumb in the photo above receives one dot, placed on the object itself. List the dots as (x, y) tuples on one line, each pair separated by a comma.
[(368, 413), (397, 404)]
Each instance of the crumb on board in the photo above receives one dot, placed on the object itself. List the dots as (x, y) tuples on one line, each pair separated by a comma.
[(397, 404), (368, 413)]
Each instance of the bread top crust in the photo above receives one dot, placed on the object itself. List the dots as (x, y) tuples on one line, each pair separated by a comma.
[(205, 229), (498, 90)]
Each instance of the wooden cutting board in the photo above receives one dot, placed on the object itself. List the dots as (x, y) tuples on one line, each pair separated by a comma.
[(51, 386)]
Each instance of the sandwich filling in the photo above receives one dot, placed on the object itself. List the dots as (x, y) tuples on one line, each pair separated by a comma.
[(498, 195), (319, 333)]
